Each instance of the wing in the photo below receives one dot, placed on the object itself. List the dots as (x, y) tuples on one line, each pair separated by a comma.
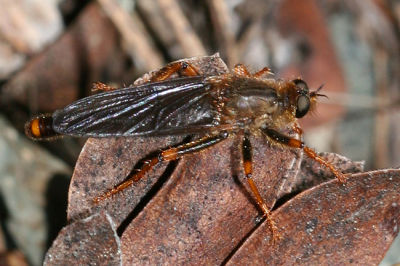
[(175, 106)]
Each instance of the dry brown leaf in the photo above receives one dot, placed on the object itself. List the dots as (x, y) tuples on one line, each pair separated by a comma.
[(332, 223), (89, 241)]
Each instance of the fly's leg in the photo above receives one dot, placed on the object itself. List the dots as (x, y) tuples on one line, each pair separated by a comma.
[(170, 154), (262, 72), (183, 68), (241, 70), (98, 86), (248, 170), (295, 143), (298, 130)]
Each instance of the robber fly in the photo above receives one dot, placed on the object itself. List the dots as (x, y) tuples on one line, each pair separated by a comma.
[(236, 103)]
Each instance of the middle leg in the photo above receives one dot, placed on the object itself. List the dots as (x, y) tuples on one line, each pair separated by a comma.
[(248, 170)]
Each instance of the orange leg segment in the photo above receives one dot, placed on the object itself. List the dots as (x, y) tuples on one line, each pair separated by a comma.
[(248, 170), (170, 154), (262, 72), (294, 143), (98, 86), (183, 68), (241, 70), (313, 155), (298, 130)]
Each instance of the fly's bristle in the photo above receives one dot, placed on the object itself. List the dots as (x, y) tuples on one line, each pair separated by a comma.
[(313, 104), (313, 99), (41, 128)]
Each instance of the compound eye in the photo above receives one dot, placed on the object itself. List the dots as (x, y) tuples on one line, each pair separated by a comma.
[(301, 85), (302, 105)]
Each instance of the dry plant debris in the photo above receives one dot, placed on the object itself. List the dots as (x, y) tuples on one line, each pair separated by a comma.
[(199, 210), (51, 53)]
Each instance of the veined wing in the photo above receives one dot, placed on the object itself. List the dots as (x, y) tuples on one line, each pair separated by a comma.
[(175, 106)]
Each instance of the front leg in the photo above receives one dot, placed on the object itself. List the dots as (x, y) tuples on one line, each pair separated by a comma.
[(295, 143)]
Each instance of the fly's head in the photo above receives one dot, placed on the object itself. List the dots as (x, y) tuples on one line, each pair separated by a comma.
[(301, 99)]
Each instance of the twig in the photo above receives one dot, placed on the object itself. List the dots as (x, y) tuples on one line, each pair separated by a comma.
[(382, 120), (187, 38), (153, 17), (221, 20), (138, 43)]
